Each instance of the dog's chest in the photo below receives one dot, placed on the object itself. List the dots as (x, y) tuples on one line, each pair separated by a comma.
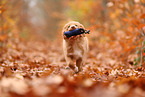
[(76, 48)]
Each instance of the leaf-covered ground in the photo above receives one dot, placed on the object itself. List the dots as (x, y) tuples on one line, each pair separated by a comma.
[(38, 69)]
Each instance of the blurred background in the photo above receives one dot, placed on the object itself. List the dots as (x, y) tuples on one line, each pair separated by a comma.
[(116, 25), (46, 18)]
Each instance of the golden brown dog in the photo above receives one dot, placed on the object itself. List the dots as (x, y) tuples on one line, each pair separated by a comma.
[(74, 47)]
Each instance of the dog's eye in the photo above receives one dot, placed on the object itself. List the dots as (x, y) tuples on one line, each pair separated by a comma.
[(76, 25), (68, 26)]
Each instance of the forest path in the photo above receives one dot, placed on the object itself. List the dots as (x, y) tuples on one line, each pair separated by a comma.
[(40, 65)]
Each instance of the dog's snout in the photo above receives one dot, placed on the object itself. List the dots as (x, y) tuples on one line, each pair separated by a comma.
[(73, 26)]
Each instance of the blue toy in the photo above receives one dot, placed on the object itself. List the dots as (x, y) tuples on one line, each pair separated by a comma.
[(75, 32)]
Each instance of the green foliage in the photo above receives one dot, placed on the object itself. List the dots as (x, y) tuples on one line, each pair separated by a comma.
[(141, 55)]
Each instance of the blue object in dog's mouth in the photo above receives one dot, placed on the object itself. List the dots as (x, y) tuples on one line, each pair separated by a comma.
[(75, 32)]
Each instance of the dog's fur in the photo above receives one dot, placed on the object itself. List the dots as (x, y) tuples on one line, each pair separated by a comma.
[(75, 47)]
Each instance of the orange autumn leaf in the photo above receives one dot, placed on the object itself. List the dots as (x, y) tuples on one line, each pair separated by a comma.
[(135, 22), (3, 37), (125, 20), (131, 48), (144, 54), (140, 26), (142, 16)]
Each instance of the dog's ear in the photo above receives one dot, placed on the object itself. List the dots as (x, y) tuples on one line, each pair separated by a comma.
[(64, 29)]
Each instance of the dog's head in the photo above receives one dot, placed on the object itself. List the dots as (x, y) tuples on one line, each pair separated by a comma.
[(71, 26)]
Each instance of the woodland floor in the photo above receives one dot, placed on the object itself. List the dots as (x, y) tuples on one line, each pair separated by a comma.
[(37, 69)]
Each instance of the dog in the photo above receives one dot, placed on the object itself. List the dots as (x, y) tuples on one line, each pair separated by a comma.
[(74, 47)]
